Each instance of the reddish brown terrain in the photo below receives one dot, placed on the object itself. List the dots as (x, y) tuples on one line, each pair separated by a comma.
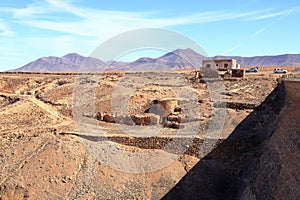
[(69, 136)]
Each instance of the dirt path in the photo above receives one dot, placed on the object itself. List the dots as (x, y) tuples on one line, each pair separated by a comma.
[(48, 108)]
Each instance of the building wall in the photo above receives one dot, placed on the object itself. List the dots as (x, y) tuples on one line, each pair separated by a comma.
[(220, 64)]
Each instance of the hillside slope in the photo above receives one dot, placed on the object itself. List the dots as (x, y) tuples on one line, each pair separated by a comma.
[(259, 160), (68, 63), (177, 59), (277, 170)]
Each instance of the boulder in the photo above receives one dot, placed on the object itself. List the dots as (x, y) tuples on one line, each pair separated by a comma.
[(175, 118), (99, 116), (109, 118), (173, 124)]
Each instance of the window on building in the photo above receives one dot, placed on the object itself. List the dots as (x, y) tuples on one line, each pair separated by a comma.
[(226, 65), (207, 65)]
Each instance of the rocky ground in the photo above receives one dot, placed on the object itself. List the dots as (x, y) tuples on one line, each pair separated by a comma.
[(52, 147)]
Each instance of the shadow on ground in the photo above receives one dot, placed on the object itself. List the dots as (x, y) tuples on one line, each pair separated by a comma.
[(220, 174)]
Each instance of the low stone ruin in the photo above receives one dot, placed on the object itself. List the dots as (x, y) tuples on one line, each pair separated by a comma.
[(165, 112), (138, 119)]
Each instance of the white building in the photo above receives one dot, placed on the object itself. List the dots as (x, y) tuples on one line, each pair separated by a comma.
[(220, 64)]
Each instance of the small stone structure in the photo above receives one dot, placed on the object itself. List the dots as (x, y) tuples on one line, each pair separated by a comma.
[(165, 112), (168, 109), (238, 73), (163, 107), (174, 121)]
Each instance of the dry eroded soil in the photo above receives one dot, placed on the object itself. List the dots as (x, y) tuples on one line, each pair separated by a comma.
[(45, 155)]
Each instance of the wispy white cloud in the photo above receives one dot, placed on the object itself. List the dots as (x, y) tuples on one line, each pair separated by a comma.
[(279, 16), (105, 23), (230, 49), (76, 25), (30, 10), (4, 30), (259, 31), (272, 14)]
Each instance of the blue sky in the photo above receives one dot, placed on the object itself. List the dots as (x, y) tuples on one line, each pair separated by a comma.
[(32, 29)]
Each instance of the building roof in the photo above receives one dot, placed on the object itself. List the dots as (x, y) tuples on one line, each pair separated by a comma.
[(219, 60)]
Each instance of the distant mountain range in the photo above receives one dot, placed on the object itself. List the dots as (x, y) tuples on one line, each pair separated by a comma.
[(178, 59)]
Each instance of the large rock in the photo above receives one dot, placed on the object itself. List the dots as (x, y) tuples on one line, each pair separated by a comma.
[(109, 118), (174, 117)]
